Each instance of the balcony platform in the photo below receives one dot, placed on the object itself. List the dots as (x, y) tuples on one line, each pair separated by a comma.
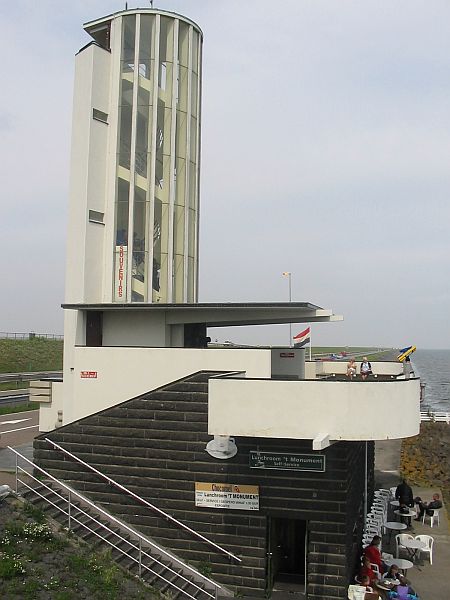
[(322, 410)]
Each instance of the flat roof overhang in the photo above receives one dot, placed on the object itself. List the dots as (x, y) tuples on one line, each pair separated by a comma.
[(91, 26), (230, 314)]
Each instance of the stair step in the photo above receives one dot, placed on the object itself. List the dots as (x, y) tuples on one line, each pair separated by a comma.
[(129, 442)]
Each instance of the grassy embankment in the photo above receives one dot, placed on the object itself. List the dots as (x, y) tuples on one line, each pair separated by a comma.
[(19, 356), (425, 458), (372, 353), (38, 559)]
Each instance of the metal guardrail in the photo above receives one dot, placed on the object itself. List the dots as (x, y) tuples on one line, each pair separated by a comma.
[(29, 376), (439, 417), (30, 336), (145, 502), (141, 539)]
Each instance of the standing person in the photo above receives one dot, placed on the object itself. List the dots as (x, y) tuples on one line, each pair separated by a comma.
[(372, 552), (366, 368), (407, 368), (404, 494), (351, 368), (428, 506)]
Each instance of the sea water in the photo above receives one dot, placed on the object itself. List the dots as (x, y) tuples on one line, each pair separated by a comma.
[(433, 368)]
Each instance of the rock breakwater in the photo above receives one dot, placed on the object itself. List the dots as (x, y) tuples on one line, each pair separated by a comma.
[(425, 458)]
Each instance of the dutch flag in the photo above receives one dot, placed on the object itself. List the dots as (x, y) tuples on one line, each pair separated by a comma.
[(302, 338)]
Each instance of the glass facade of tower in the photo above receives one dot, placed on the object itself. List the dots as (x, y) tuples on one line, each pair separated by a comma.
[(156, 196)]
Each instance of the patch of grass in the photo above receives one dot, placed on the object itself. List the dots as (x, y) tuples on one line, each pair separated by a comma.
[(8, 410), (98, 572), (37, 561), (14, 385), (205, 568), (34, 512), (31, 588), (11, 566), (38, 354)]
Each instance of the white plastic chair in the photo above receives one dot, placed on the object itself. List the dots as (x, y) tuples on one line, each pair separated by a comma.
[(432, 517), (375, 518), (399, 539), (429, 541), (376, 570), (355, 592), (378, 511)]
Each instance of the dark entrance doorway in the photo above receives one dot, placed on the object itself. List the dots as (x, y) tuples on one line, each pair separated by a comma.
[(94, 328), (287, 551)]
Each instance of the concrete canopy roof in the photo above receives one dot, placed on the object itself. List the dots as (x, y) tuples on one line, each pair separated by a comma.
[(225, 314)]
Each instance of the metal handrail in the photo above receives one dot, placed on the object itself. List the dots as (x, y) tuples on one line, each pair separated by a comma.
[(152, 506), (123, 525), (85, 526)]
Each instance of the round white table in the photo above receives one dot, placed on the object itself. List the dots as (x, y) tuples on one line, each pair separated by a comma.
[(394, 526), (402, 563), (409, 515), (387, 584), (412, 546)]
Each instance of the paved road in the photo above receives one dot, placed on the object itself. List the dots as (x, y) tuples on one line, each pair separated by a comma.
[(17, 429)]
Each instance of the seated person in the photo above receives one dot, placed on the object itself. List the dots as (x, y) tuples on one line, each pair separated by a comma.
[(427, 506), (367, 571), (351, 368), (372, 551), (365, 368), (365, 582), (394, 573), (403, 592)]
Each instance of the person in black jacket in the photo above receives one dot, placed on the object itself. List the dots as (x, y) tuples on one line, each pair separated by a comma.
[(404, 494)]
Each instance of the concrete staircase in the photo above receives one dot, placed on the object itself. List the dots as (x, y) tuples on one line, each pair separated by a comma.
[(159, 570), (133, 443)]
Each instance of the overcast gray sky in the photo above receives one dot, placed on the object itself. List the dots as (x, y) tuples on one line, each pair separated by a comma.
[(325, 152)]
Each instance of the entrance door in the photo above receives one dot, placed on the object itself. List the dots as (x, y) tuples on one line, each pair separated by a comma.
[(94, 328), (286, 553)]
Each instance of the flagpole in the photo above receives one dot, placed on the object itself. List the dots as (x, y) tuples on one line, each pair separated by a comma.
[(310, 341), (288, 274)]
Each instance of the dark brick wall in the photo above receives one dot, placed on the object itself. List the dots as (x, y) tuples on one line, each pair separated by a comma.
[(155, 445)]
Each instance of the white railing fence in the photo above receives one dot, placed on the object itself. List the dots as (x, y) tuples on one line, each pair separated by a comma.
[(438, 417)]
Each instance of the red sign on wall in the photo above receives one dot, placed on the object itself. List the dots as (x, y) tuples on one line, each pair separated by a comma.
[(88, 374), (287, 354)]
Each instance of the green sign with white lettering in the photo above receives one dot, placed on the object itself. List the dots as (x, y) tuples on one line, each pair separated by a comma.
[(287, 462)]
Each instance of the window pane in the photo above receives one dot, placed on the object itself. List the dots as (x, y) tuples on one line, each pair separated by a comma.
[(182, 89), (178, 278), (157, 247), (193, 134), (194, 94), (195, 50), (183, 44), (128, 35)]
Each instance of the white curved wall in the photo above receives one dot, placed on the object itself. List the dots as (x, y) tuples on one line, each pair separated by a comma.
[(340, 410)]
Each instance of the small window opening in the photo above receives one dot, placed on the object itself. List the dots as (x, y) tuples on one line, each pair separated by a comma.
[(99, 115), (96, 217)]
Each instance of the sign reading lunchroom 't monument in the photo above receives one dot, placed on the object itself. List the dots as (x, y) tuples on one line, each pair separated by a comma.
[(227, 495), (287, 462)]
